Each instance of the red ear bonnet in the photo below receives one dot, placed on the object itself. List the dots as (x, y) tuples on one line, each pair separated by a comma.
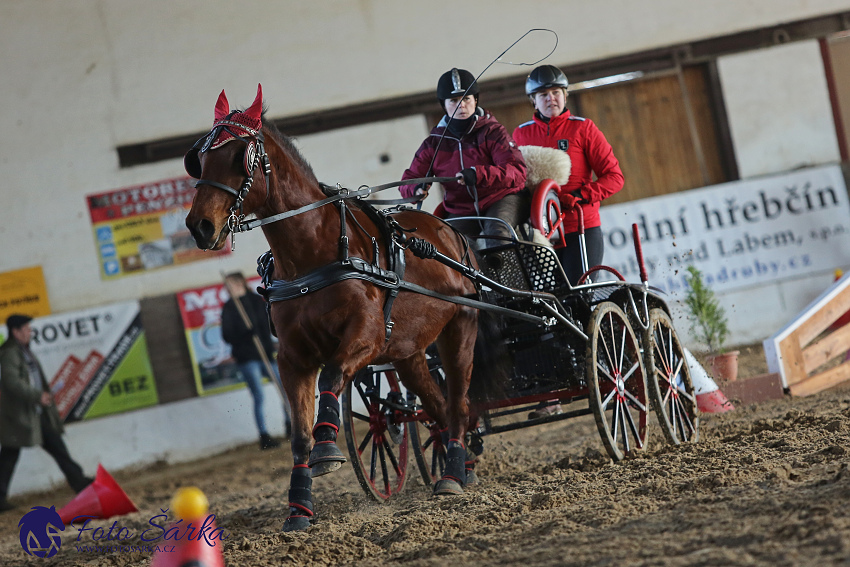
[(244, 124), (255, 111), (222, 107)]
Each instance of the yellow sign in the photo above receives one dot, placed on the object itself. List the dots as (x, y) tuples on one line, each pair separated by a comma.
[(23, 291)]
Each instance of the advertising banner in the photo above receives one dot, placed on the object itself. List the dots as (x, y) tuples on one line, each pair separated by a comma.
[(200, 308), (23, 291), (96, 360), (740, 234), (143, 227)]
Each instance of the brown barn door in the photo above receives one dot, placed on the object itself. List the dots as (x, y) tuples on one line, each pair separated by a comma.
[(662, 131), (836, 55)]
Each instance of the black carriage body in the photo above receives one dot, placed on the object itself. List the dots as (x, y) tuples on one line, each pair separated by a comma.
[(546, 360)]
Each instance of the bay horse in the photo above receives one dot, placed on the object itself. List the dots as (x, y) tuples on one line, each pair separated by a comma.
[(337, 330)]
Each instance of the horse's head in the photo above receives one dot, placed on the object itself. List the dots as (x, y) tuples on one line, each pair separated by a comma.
[(224, 162)]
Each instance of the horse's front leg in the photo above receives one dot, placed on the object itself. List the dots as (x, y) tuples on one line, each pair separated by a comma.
[(300, 389), (326, 456)]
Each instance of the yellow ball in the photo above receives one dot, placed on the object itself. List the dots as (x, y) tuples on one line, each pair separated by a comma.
[(189, 503)]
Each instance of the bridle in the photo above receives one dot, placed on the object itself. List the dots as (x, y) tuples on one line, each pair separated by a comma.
[(255, 153)]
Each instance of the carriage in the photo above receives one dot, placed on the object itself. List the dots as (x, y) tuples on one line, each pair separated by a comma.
[(369, 300), (608, 348)]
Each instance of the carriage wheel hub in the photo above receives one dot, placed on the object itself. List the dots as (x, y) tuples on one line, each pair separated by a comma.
[(671, 381)]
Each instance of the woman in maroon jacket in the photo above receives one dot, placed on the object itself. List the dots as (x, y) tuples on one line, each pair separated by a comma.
[(590, 153), (473, 147)]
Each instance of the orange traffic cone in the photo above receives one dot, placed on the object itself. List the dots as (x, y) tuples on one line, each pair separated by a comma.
[(709, 397), (200, 547), (102, 499)]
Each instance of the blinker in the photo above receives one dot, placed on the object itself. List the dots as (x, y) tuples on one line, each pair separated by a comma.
[(249, 158), (192, 162)]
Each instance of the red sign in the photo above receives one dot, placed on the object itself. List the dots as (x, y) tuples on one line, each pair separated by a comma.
[(141, 199)]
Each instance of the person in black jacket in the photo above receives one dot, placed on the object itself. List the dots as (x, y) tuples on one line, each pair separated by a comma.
[(243, 343)]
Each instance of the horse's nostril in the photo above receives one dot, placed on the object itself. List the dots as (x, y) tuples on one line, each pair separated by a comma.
[(202, 231), (206, 229)]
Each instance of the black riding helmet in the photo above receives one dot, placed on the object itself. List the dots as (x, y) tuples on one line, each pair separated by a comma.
[(545, 77), (454, 83)]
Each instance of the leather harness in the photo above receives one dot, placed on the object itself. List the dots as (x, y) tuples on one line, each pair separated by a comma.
[(348, 267)]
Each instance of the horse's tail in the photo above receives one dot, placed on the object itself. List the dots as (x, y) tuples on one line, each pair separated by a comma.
[(491, 364)]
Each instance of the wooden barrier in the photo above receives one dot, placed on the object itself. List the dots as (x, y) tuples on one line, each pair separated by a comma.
[(804, 352)]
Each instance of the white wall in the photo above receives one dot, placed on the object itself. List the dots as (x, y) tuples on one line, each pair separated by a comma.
[(84, 76), (352, 156), (779, 110)]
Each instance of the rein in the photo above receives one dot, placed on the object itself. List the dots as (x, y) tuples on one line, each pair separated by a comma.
[(343, 193)]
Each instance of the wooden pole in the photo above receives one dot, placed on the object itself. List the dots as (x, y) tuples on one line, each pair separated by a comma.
[(259, 345)]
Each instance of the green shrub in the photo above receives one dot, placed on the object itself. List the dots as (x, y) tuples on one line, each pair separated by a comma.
[(708, 319)]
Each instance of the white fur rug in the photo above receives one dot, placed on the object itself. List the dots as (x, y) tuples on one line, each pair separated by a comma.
[(545, 163)]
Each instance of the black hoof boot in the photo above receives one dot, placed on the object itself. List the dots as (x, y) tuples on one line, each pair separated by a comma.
[(455, 473), (447, 487), (300, 500), (473, 450), (296, 524), (325, 458)]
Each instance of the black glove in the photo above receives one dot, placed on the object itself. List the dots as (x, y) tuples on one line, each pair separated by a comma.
[(469, 177), (579, 198)]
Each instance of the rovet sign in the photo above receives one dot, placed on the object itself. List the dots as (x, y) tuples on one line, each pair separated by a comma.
[(50, 331)]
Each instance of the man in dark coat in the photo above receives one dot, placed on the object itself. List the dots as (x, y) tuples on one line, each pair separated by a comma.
[(242, 339), (28, 416)]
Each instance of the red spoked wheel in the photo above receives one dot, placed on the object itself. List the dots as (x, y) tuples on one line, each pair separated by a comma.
[(378, 440), (429, 451), (546, 215), (616, 381), (669, 381)]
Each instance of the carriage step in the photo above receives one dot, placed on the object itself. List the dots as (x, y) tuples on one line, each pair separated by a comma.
[(540, 420)]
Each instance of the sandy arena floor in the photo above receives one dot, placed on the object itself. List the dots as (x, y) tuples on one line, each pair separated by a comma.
[(765, 485)]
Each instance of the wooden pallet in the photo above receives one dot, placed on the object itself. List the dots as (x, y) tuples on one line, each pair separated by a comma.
[(805, 353)]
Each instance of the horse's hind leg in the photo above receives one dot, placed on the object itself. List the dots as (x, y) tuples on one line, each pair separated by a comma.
[(326, 456), (414, 374), (456, 346)]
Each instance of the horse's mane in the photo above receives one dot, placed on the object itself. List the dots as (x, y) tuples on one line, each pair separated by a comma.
[(288, 146)]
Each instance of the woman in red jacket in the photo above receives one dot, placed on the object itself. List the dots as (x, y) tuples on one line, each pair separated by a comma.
[(590, 153), (470, 145)]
